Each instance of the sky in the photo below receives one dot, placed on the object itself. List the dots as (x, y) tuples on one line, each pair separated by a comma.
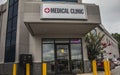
[(110, 13), (2, 1)]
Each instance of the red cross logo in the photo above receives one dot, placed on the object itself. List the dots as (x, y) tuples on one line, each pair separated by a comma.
[(47, 10)]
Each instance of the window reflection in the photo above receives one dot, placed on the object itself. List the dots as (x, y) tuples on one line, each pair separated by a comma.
[(73, 47), (10, 45), (10, 2), (9, 28), (10, 13), (13, 41), (8, 39), (51, 67), (15, 9), (48, 56), (15, 0), (76, 57), (77, 66), (76, 51), (14, 23), (48, 52)]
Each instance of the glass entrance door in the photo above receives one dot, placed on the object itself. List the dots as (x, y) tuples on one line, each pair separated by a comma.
[(62, 58)]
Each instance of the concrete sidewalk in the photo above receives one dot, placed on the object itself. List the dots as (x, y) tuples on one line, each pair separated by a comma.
[(116, 71), (99, 73)]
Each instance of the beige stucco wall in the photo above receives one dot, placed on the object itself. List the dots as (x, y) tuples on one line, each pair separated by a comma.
[(22, 38), (35, 48), (3, 34), (113, 48), (85, 55)]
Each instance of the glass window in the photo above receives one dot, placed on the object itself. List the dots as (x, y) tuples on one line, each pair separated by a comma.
[(12, 57), (48, 52), (14, 23), (9, 26), (7, 54), (10, 12), (10, 54), (8, 49), (15, 9), (50, 67), (77, 66), (7, 43), (11, 31), (10, 2), (8, 40), (8, 36), (13, 41), (15, 0), (76, 51)]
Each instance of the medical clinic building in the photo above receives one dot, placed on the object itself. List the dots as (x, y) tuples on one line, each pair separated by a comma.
[(52, 31)]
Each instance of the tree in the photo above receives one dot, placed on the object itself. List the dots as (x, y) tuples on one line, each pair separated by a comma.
[(117, 37), (94, 45)]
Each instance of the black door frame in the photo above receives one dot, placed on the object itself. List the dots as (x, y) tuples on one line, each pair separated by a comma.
[(68, 61)]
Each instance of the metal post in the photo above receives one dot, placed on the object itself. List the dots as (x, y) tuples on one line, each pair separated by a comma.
[(94, 67), (108, 63), (44, 69), (106, 67), (14, 69), (27, 69)]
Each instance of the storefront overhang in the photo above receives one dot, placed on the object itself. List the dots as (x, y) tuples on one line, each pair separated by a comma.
[(59, 28), (38, 26)]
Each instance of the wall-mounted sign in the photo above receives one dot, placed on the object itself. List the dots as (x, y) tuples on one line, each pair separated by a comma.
[(63, 11)]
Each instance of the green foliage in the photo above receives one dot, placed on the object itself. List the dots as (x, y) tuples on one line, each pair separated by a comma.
[(93, 44), (117, 37)]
